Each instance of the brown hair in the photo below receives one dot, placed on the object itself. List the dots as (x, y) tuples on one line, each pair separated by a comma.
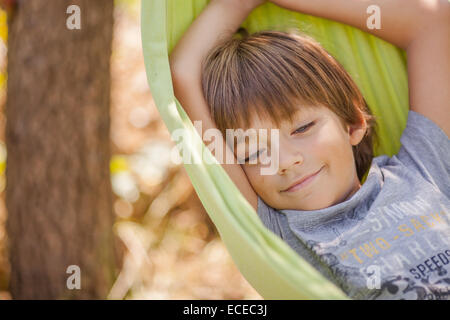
[(265, 72)]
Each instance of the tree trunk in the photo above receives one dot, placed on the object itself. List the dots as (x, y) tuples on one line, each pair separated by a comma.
[(58, 192)]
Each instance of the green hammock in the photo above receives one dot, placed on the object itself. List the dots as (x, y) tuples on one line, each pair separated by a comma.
[(378, 68)]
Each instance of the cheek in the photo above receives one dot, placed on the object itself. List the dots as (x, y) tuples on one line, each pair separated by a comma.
[(336, 150), (253, 175), (259, 182), (330, 145)]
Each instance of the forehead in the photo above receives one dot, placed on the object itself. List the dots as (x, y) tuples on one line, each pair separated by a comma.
[(263, 121)]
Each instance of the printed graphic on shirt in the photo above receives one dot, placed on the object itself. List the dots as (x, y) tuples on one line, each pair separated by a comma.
[(405, 244)]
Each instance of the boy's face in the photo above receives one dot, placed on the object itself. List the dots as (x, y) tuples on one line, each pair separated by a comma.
[(324, 148)]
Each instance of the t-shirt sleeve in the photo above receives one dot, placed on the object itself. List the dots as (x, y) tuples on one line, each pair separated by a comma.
[(269, 217), (426, 149)]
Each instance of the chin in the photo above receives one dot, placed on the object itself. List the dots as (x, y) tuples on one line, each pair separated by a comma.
[(321, 204)]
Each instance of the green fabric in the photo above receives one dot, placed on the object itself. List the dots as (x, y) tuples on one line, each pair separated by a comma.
[(379, 69)]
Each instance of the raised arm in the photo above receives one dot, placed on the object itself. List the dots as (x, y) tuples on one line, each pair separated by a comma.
[(218, 21), (421, 27)]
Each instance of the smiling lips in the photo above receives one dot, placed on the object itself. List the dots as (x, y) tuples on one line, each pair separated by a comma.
[(302, 182)]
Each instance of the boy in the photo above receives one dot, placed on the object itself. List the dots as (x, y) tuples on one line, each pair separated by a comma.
[(387, 238)]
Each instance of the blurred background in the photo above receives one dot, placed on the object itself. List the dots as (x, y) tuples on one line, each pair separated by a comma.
[(85, 171)]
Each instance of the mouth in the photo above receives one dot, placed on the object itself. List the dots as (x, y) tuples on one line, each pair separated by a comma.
[(302, 183)]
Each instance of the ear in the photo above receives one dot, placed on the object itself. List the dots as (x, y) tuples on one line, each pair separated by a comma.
[(356, 132)]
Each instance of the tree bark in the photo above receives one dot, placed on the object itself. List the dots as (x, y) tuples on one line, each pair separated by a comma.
[(58, 192)]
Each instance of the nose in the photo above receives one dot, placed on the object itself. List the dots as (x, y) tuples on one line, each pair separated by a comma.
[(288, 159), (283, 171)]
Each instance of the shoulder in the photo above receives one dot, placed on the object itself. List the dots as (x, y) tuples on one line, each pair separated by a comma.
[(422, 128), (425, 149)]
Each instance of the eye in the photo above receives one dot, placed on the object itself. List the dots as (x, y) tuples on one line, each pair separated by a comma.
[(246, 160), (304, 128)]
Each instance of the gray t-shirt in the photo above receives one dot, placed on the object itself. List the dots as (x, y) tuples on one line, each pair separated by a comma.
[(391, 239)]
